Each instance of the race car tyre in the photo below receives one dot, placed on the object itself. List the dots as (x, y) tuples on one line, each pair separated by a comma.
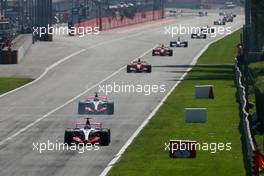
[(81, 108), (192, 36), (105, 137), (153, 53), (170, 53), (110, 107), (68, 135), (215, 23), (171, 44), (129, 69), (149, 69), (186, 44), (204, 36)]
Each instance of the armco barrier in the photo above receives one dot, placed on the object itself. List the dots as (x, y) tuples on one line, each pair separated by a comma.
[(246, 132), (111, 22), (21, 45)]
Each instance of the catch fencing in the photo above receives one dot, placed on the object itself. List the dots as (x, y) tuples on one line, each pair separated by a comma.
[(246, 132)]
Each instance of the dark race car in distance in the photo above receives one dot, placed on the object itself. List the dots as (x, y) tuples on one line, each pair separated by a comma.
[(139, 67), (199, 35), (162, 51), (227, 14), (222, 13), (207, 30), (219, 22), (202, 13), (233, 15), (228, 18), (179, 43), (87, 133), (96, 105)]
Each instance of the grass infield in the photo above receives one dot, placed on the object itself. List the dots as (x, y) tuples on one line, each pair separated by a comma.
[(8, 84), (146, 155)]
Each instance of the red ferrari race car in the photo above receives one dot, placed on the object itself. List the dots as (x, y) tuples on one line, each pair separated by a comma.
[(87, 133), (162, 51), (96, 105), (139, 67)]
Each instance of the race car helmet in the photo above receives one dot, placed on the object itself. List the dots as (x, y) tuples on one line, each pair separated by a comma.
[(88, 122), (87, 127), (96, 97)]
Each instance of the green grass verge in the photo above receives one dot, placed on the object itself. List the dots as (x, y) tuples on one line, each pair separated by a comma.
[(260, 141), (222, 52), (146, 155), (7, 84)]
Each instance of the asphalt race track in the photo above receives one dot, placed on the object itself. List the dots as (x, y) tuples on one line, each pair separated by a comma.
[(42, 111)]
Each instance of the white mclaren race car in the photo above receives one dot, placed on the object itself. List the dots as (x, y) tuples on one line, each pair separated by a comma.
[(87, 133), (96, 105)]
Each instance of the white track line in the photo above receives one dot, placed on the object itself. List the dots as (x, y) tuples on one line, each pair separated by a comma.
[(76, 97), (135, 134), (68, 102), (72, 55), (69, 57)]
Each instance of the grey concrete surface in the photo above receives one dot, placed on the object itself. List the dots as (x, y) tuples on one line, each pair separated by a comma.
[(21, 44), (79, 73)]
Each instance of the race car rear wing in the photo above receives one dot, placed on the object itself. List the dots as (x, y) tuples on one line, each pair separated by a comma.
[(92, 97), (79, 123), (96, 123)]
